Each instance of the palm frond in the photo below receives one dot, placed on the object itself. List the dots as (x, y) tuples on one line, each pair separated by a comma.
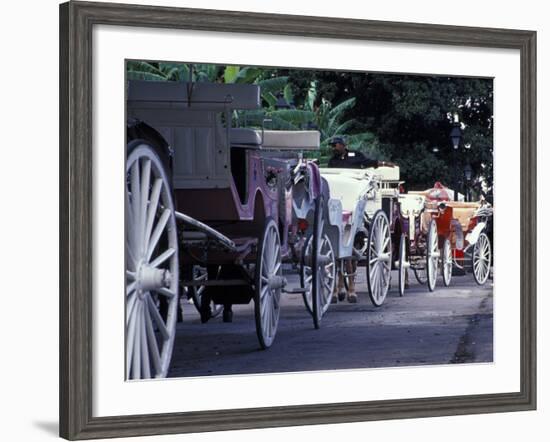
[(272, 85), (230, 74)]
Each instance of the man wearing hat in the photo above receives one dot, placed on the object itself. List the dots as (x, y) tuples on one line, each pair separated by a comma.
[(344, 158)]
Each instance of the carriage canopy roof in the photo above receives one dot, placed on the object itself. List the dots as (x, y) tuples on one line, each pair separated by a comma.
[(210, 95)]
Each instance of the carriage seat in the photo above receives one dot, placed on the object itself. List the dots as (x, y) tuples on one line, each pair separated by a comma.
[(411, 204), (463, 211), (464, 215), (275, 139), (241, 137), (346, 186), (291, 139)]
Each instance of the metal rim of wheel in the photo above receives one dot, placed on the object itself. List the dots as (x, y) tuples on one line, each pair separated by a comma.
[(402, 264), (379, 258), (329, 270), (200, 273), (447, 263), (481, 259), (420, 275), (152, 265), (269, 283), (432, 256)]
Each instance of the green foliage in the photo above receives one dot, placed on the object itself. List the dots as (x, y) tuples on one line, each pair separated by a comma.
[(402, 118)]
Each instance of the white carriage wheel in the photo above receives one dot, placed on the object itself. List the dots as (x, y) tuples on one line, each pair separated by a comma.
[(152, 266), (447, 263), (269, 283), (328, 278), (402, 264), (379, 255), (200, 273), (432, 255), (481, 259)]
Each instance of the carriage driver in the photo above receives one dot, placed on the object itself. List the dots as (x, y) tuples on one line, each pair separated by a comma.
[(344, 158)]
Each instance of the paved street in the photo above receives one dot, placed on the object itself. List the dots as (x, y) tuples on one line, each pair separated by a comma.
[(450, 325)]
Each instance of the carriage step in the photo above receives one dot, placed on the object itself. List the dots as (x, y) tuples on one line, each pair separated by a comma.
[(295, 290)]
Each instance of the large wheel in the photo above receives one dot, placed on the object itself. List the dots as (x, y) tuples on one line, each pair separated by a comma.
[(151, 265), (481, 259), (432, 255), (379, 258), (327, 268), (269, 283), (200, 273), (447, 263), (402, 264)]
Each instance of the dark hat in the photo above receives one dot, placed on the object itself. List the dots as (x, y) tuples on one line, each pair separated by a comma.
[(337, 139)]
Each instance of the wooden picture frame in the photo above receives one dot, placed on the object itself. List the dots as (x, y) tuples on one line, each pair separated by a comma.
[(76, 242)]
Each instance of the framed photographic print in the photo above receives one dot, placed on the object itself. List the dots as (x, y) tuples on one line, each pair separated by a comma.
[(273, 220)]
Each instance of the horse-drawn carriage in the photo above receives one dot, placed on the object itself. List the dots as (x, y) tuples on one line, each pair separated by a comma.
[(234, 202), (372, 224), (358, 228), (462, 235)]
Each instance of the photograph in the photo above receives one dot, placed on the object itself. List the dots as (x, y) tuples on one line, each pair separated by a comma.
[(282, 219)]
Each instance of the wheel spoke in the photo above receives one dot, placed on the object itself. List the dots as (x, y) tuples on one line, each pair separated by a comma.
[(134, 185), (132, 261), (153, 346), (130, 303), (153, 208), (130, 336), (136, 359), (165, 292), (159, 228), (156, 317), (163, 257), (144, 348), (144, 194), (131, 287)]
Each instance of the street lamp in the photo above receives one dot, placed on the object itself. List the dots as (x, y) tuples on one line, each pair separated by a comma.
[(456, 137)]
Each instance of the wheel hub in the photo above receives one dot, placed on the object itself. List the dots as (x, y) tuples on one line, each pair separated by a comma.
[(276, 282), (151, 278), (384, 257)]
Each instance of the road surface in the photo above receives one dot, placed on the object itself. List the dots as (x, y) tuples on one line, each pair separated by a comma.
[(450, 325)]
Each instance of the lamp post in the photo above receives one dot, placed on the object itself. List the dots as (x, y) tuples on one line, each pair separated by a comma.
[(468, 176), (456, 137)]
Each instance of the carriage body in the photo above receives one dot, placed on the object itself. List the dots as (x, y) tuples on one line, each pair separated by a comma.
[(463, 231), (467, 227), (236, 203)]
